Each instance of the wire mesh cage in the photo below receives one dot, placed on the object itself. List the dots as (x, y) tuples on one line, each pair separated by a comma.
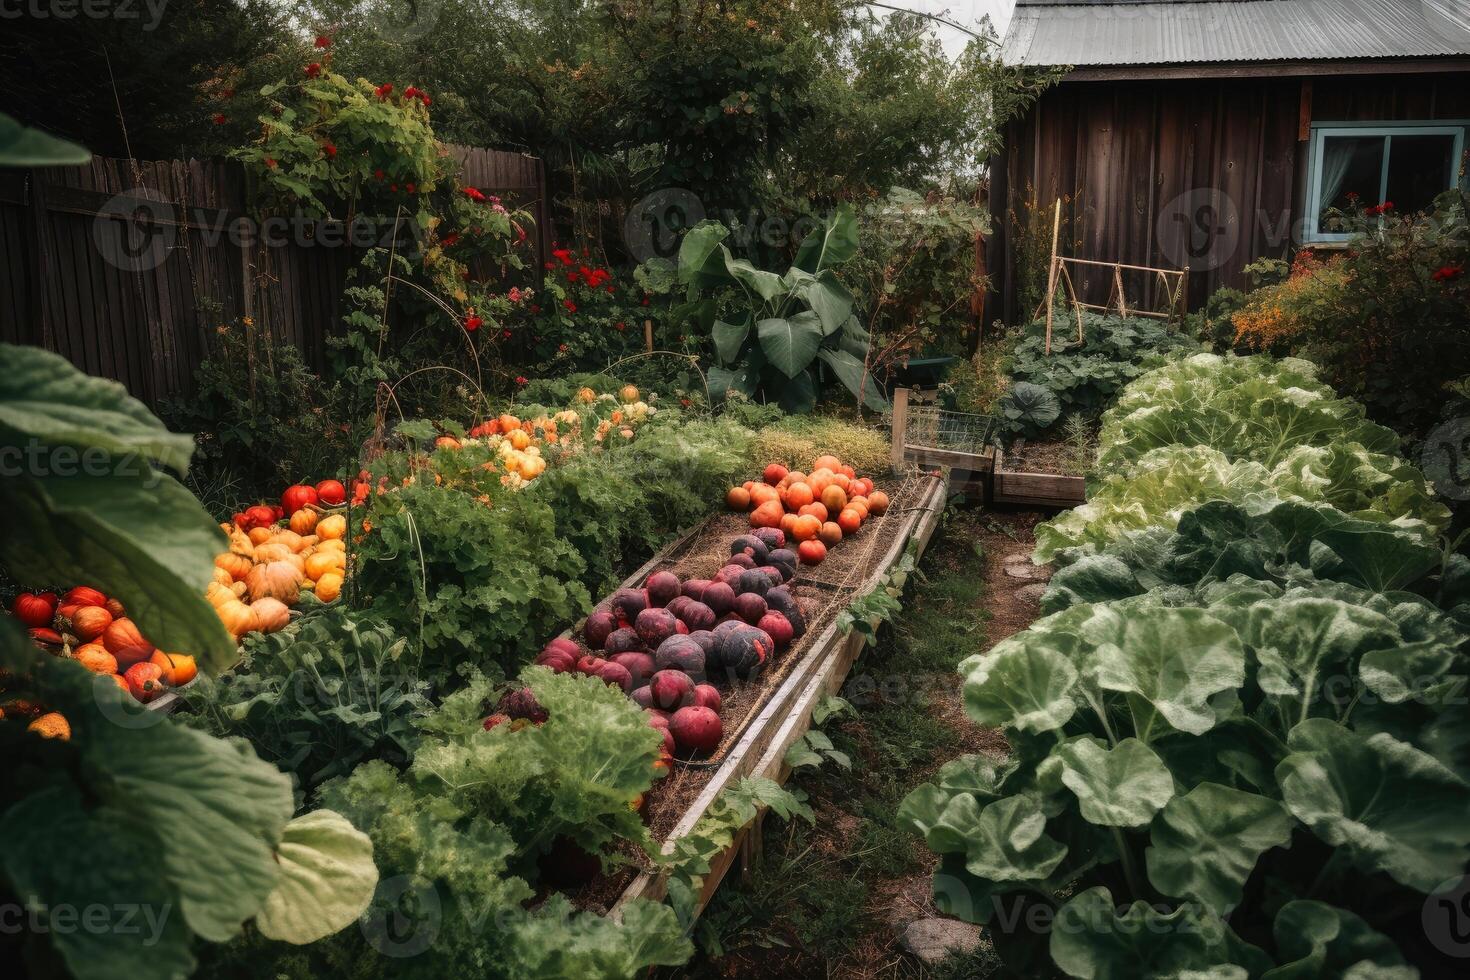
[(933, 427)]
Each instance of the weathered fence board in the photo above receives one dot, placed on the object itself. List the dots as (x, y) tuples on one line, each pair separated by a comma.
[(123, 266)]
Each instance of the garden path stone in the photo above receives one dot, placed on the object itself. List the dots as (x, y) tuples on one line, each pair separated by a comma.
[(935, 940), (1031, 592)]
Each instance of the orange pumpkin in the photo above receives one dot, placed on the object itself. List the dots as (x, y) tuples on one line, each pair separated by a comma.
[(764, 493), (276, 580), (768, 514), (94, 657), (834, 499), (332, 528), (830, 533), (237, 566), (124, 642), (774, 474), (178, 668), (90, 622), (806, 528), (738, 498), (798, 495), (816, 510), (848, 472), (303, 522), (849, 521), (877, 502), (260, 535), (788, 521), (827, 462)]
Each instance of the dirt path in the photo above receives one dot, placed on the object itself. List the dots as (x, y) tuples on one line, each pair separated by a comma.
[(832, 899)]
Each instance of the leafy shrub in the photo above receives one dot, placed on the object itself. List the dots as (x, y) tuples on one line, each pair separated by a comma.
[(319, 697), (974, 385), (1249, 408), (780, 325), (1242, 750), (1386, 318), (1028, 409), (1086, 377)]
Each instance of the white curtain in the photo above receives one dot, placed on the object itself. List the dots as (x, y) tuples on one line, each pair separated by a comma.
[(1337, 157)]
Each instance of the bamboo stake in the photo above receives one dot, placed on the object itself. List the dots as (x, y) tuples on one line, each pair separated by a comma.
[(648, 335), (1051, 272), (1118, 285)]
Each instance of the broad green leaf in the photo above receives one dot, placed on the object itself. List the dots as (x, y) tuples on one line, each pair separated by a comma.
[(1205, 843), (1123, 786), (1091, 940), (729, 338), (327, 879), (855, 376), (1025, 682), (557, 941), (63, 854), (790, 343), (1392, 807), (1173, 661), (141, 538), (767, 285), (798, 395), (701, 256), (742, 378), (44, 398), (1006, 841), (1302, 644), (832, 244), (1317, 941), (22, 146), (830, 300), (1384, 557)]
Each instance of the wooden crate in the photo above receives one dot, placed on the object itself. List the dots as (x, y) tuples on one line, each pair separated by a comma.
[(1035, 489), (786, 716)]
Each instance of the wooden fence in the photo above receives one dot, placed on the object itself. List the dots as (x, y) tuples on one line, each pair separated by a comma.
[(123, 266)]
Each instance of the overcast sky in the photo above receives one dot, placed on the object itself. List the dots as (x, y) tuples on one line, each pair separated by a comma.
[(965, 12)]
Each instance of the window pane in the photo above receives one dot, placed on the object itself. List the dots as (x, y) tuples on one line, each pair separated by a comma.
[(1419, 170), (1351, 165)]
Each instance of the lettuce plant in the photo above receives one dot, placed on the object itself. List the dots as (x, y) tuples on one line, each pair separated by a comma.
[(1238, 750)]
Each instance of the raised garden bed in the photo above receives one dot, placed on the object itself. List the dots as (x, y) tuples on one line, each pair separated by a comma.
[(763, 718), (1032, 474)]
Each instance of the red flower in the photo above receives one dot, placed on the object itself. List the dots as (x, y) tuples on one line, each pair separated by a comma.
[(450, 239), (520, 233), (384, 90), (322, 41), (505, 334), (571, 307), (562, 348), (1448, 273), (410, 92), (330, 149), (521, 381), (314, 69), (393, 188), (549, 266), (472, 322), (473, 193), (228, 93), (621, 326), (425, 100), (270, 163), (378, 173), (219, 118), (645, 301), (563, 254), (412, 189)]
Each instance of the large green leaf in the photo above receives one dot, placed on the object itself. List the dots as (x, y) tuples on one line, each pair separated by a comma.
[(1122, 786), (767, 285), (830, 300), (44, 398), (1391, 807), (22, 146), (1206, 843), (1172, 661), (742, 378), (1091, 940), (729, 338), (64, 855), (140, 537), (327, 879), (1383, 556), (855, 376), (832, 244), (702, 256), (1301, 644), (1006, 841), (790, 343), (798, 395), (1322, 942), (1024, 683)]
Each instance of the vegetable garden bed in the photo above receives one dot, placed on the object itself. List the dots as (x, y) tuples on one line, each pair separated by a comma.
[(765, 716), (1034, 488)]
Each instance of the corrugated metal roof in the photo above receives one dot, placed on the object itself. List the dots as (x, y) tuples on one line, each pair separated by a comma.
[(1163, 32)]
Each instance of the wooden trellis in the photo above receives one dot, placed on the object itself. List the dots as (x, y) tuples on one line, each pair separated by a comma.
[(1173, 282)]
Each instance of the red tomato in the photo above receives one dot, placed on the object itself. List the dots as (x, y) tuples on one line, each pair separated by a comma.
[(297, 497), (331, 492), (258, 516), (35, 609)]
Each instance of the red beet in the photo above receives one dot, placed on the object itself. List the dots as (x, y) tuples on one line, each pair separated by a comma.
[(615, 675), (623, 639), (558, 661), (563, 643), (662, 586), (728, 575), (754, 580), (750, 607), (696, 615), (642, 696), (672, 689), (694, 588), (720, 598), (742, 560), (655, 625), (696, 729), (707, 696), (657, 718), (598, 627), (776, 574), (680, 653), (628, 603), (751, 547), (705, 639), (590, 665), (638, 664), (773, 537), (677, 605), (779, 627)]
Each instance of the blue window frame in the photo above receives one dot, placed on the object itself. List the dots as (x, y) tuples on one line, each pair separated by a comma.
[(1364, 164)]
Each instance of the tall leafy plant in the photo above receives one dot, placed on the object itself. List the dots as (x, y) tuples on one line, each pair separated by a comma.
[(773, 331)]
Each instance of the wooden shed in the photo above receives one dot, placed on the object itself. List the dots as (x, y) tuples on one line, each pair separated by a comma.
[(1209, 134)]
